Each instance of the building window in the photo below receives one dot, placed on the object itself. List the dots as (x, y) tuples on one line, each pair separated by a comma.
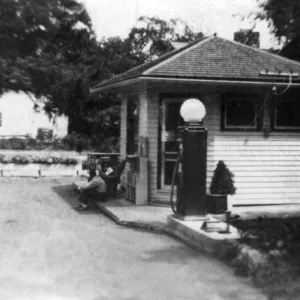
[(241, 112), (286, 115)]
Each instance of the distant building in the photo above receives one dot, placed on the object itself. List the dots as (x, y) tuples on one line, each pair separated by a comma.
[(18, 118)]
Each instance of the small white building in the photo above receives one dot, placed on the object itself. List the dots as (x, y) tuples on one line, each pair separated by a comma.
[(252, 100), (18, 117)]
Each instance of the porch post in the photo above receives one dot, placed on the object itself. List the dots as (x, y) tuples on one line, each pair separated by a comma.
[(142, 179)]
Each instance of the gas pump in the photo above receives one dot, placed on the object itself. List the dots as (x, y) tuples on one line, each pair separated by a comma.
[(189, 174)]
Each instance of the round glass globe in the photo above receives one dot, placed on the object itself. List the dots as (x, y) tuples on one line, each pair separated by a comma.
[(192, 110)]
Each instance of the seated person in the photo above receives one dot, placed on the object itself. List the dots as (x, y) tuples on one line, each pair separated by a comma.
[(111, 168), (93, 191), (112, 175)]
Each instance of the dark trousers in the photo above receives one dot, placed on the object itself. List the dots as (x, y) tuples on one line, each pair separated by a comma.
[(90, 196)]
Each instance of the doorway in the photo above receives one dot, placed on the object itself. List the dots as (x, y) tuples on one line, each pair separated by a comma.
[(170, 121)]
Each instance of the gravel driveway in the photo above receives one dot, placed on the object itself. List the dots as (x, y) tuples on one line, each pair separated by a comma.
[(50, 252)]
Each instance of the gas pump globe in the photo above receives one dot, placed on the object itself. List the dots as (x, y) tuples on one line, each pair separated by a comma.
[(192, 111), (193, 160)]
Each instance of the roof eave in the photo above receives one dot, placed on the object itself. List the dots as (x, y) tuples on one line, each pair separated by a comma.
[(238, 81), (231, 81), (114, 85)]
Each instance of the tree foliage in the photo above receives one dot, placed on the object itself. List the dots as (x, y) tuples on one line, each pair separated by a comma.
[(41, 48), (284, 19), (48, 49), (247, 37), (151, 37)]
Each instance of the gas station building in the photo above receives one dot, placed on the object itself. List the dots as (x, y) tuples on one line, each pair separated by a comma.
[(252, 102)]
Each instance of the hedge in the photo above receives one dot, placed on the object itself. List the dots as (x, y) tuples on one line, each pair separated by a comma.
[(24, 159)]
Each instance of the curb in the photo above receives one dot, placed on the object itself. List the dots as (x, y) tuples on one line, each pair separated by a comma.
[(131, 224)]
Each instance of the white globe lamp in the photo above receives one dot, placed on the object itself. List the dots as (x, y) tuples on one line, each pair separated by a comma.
[(192, 110)]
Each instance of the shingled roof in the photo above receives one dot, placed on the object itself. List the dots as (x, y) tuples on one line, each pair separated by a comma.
[(211, 58)]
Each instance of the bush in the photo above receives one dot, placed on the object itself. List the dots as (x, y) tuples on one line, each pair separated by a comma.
[(30, 143), (5, 144), (271, 233), (18, 144), (222, 182), (22, 160)]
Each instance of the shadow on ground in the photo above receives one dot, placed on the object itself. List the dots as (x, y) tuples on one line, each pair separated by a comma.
[(70, 196), (173, 255)]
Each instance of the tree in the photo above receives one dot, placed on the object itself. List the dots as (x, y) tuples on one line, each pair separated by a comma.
[(247, 37), (152, 36), (115, 55), (35, 36), (284, 20), (48, 48)]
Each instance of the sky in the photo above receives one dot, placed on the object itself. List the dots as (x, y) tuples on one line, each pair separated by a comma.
[(117, 17)]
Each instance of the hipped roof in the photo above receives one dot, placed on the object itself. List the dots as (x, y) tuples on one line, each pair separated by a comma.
[(212, 58)]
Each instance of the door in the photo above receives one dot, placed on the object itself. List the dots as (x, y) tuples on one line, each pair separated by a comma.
[(171, 119)]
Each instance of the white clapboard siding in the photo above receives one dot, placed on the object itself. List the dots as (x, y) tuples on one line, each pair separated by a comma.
[(263, 147), (218, 141), (249, 152), (266, 179), (267, 170), (268, 186), (250, 163), (261, 172), (264, 201), (257, 158), (267, 197)]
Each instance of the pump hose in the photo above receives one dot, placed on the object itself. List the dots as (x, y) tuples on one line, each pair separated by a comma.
[(174, 209)]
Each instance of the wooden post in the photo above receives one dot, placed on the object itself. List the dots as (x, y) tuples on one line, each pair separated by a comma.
[(142, 189)]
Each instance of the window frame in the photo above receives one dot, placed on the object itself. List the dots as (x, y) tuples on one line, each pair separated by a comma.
[(274, 114), (259, 115)]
